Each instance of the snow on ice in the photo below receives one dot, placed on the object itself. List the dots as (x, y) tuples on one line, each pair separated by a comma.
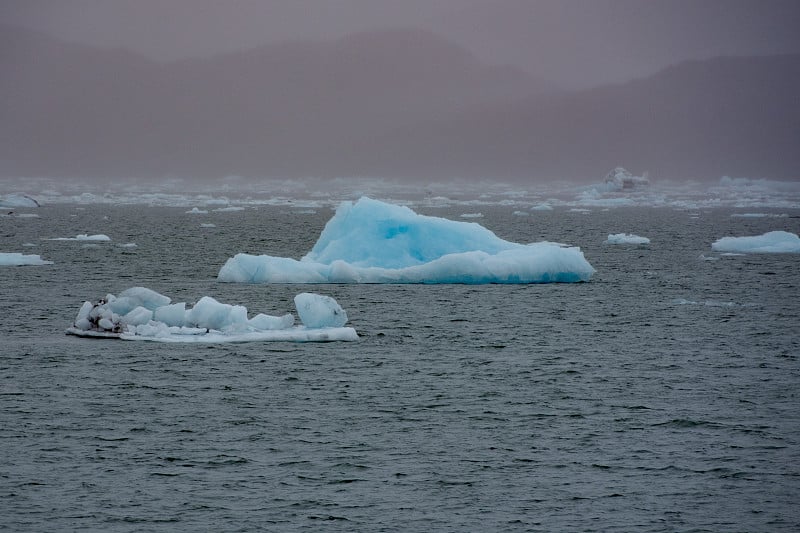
[(627, 238), (773, 242), (375, 242), (140, 313)]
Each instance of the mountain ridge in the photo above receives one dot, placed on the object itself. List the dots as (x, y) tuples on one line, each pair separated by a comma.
[(399, 103)]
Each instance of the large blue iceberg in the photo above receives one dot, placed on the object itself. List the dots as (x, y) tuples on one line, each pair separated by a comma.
[(374, 242)]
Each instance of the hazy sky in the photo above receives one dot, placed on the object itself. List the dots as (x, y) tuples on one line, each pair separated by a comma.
[(574, 43)]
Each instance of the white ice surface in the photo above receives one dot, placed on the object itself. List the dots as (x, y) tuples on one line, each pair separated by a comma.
[(18, 259), (318, 311), (143, 314), (771, 242), (375, 242), (627, 238), (84, 237)]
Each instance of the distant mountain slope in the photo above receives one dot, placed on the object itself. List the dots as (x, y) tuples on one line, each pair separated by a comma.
[(700, 119), (398, 103)]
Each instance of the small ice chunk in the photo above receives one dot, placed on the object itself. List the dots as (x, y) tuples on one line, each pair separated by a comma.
[(319, 311), (196, 211), (137, 316), (18, 259), (771, 242), (627, 238), (268, 322), (98, 237), (145, 297), (171, 315), (211, 314), (151, 329), (82, 320)]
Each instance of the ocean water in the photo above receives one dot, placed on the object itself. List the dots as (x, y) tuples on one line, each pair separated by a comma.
[(660, 396)]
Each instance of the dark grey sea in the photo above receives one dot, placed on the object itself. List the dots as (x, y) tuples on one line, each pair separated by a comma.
[(664, 395)]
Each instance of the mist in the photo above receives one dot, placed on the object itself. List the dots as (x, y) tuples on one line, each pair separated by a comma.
[(414, 91)]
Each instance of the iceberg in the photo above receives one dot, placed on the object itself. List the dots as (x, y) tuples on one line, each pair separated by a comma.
[(627, 238), (620, 179), (773, 242), (370, 241), (18, 259), (140, 313), (18, 200)]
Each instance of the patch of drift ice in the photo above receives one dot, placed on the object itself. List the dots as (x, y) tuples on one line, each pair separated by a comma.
[(771, 242), (626, 238), (374, 242), (84, 237), (759, 215), (140, 313), (18, 259)]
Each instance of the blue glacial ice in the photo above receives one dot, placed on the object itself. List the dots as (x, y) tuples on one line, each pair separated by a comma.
[(771, 242), (140, 313), (370, 241)]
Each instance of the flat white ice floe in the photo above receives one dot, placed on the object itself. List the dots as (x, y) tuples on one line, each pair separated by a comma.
[(139, 313), (18, 259), (772, 242), (375, 242), (84, 237), (627, 238)]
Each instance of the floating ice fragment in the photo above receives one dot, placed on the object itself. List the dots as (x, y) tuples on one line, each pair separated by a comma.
[(171, 314), (627, 238), (197, 211), (145, 297), (18, 259), (759, 215), (375, 242), (143, 314), (771, 242), (318, 311), (211, 314), (84, 237)]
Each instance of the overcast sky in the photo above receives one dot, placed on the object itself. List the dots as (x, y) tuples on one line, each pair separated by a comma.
[(574, 43)]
